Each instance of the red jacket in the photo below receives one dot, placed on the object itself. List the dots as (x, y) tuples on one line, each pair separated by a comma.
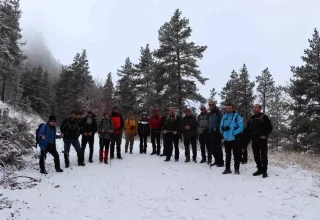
[(155, 122), (118, 123)]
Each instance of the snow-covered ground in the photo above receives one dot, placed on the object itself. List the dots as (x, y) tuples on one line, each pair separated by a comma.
[(145, 187)]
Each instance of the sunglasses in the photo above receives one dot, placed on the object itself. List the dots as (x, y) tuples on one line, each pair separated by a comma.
[(53, 121)]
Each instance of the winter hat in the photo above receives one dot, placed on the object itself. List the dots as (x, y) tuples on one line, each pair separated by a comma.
[(155, 110), (73, 112), (144, 113), (114, 108), (52, 118)]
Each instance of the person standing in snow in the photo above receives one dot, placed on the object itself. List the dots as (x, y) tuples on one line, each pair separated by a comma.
[(131, 132), (203, 131), (231, 126), (163, 120), (47, 142), (215, 116), (143, 132), (189, 131), (105, 130), (171, 129), (116, 137), (88, 126), (70, 131), (155, 124), (260, 128)]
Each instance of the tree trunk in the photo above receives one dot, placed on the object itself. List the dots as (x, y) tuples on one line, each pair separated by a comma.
[(179, 86), (3, 87)]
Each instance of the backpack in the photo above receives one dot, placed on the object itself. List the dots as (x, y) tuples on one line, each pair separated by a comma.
[(37, 133)]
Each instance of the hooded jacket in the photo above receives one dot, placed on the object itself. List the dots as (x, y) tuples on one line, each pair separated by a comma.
[(107, 126), (50, 135), (234, 121)]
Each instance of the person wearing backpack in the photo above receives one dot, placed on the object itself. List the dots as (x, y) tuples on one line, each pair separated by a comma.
[(171, 130), (116, 137), (260, 128), (155, 125), (203, 131), (143, 132), (70, 131), (215, 116), (230, 127), (88, 126), (189, 131), (105, 130), (131, 132), (47, 142)]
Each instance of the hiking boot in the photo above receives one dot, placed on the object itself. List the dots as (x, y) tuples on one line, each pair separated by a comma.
[(67, 165), (130, 152), (257, 173), (120, 158), (227, 171), (195, 160), (167, 160), (59, 170), (81, 164), (44, 172), (106, 162), (264, 175), (187, 160), (237, 171), (177, 160), (90, 161), (203, 161), (163, 155), (153, 153)]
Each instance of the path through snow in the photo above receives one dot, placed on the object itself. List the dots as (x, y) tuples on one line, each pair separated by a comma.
[(145, 187)]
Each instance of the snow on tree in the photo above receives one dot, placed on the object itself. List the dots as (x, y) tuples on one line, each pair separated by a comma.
[(108, 93), (177, 61), (265, 89), (229, 93)]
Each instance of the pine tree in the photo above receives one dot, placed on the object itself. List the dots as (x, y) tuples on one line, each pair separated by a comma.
[(145, 80), (178, 59), (213, 94), (108, 90), (229, 93), (10, 35), (305, 91), (125, 89), (245, 94), (265, 89)]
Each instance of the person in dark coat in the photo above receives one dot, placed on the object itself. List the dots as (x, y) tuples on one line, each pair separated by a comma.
[(171, 130), (155, 125), (47, 142), (88, 126), (118, 128), (143, 132), (70, 131), (260, 128), (105, 130), (189, 132), (205, 138)]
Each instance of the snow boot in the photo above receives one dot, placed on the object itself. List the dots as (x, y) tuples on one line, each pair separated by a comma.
[(227, 171), (257, 173), (167, 160), (101, 155), (264, 175), (44, 172), (59, 170), (81, 164), (187, 160), (153, 153), (237, 171), (203, 160), (106, 154)]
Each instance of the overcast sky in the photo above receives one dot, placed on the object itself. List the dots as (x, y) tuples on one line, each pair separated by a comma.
[(260, 33)]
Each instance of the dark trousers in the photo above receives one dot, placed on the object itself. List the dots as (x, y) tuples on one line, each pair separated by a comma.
[(104, 144), (217, 148), (143, 143), (165, 148), (172, 140), (51, 148), (84, 143), (67, 144), (236, 148), (155, 140), (205, 140), (260, 153), (116, 139), (193, 142), (244, 148)]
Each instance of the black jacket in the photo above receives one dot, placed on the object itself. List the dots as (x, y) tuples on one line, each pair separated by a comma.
[(259, 125), (85, 127), (144, 127), (192, 122), (172, 124), (70, 129)]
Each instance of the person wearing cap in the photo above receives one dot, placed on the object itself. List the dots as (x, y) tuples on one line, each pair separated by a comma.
[(47, 142), (189, 131), (70, 131), (116, 137), (131, 131), (155, 125), (88, 126), (171, 131), (143, 132), (163, 120)]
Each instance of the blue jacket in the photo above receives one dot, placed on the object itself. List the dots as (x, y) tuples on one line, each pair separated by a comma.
[(230, 119), (214, 119), (46, 130)]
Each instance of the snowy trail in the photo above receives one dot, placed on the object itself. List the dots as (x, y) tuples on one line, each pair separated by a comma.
[(145, 187)]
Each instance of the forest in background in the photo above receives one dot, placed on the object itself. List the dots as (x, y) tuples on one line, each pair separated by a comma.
[(33, 80)]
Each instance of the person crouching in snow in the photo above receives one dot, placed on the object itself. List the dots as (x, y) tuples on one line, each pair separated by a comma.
[(105, 130), (143, 132), (131, 131), (47, 142)]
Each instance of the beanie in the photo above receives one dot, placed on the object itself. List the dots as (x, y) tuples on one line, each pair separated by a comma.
[(155, 110), (52, 118)]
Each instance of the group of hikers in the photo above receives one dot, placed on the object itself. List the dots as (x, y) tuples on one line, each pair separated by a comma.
[(210, 128)]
